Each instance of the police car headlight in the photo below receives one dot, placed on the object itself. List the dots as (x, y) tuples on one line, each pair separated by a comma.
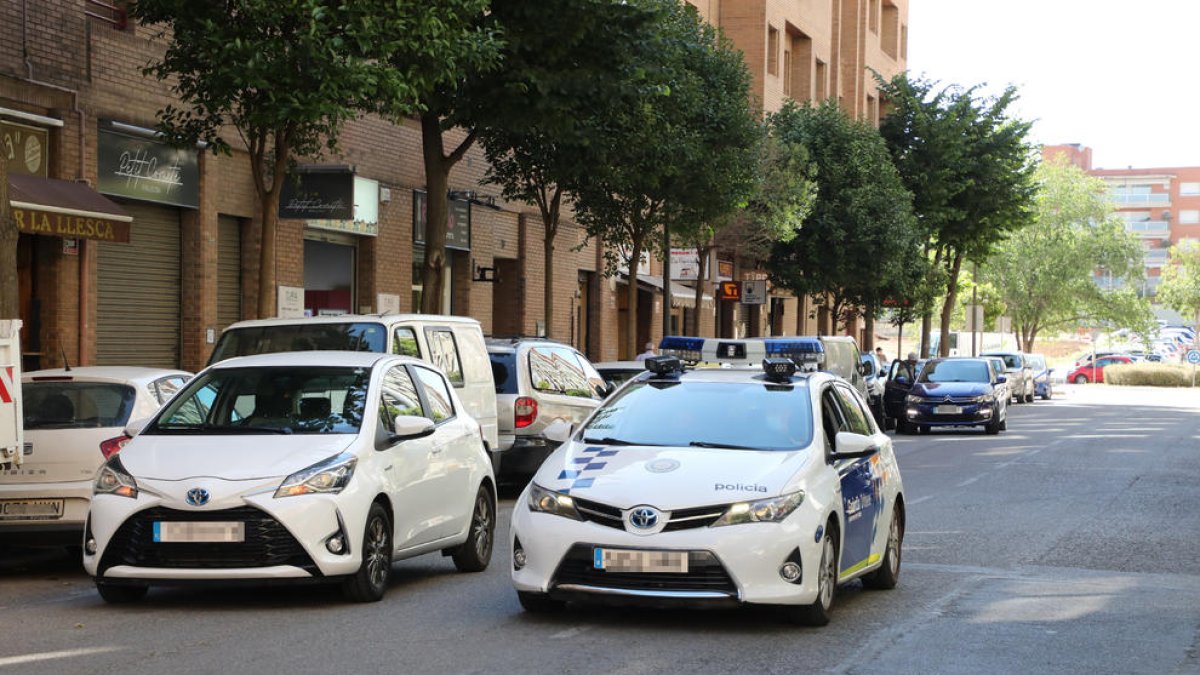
[(555, 503), (771, 510)]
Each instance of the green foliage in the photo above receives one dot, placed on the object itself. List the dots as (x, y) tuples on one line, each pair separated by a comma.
[(1045, 272), (1148, 375), (860, 243), (1180, 287)]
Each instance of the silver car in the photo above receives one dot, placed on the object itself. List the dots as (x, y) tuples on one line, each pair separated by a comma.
[(1020, 375), (538, 382)]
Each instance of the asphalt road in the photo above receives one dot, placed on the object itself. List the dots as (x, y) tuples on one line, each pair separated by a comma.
[(1068, 544)]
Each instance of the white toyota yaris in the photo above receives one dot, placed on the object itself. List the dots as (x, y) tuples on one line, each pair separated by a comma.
[(714, 487), (296, 466)]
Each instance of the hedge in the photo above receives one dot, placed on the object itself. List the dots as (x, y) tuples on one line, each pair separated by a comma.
[(1149, 375)]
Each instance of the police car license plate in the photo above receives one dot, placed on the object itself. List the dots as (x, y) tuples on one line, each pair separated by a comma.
[(204, 532), (620, 560), (31, 509), (948, 410)]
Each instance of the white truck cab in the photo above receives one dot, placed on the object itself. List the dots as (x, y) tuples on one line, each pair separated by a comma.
[(12, 445)]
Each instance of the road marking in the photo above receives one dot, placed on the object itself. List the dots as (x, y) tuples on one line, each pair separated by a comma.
[(50, 656), (569, 633), (918, 500)]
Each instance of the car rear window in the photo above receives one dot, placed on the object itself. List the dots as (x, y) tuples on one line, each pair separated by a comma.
[(76, 405), (301, 337), (504, 372)]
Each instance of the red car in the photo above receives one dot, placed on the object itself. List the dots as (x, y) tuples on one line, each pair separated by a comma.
[(1095, 373)]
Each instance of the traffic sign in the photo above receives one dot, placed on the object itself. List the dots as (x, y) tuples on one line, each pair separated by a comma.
[(1193, 356), (754, 292)]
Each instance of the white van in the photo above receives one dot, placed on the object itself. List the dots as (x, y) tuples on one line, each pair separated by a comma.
[(452, 343)]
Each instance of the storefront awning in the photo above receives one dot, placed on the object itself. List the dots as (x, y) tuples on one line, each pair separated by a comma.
[(681, 296), (60, 208)]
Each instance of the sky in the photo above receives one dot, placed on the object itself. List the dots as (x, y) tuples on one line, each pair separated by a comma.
[(1118, 76)]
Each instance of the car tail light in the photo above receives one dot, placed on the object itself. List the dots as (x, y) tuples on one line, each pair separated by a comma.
[(113, 445), (525, 411)]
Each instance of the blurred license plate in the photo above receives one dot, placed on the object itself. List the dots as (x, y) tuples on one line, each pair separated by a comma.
[(206, 532), (619, 560), (948, 410), (31, 509)]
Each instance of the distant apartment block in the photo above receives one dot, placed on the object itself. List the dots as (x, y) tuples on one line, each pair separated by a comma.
[(1160, 205)]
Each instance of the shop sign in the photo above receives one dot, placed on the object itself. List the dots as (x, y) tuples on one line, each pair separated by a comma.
[(68, 226), (458, 221), (366, 211), (148, 170), (643, 267), (729, 290), (27, 149), (318, 193), (685, 264), (724, 270), (290, 302), (754, 292)]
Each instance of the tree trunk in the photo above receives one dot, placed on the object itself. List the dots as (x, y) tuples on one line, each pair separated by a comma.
[(632, 348), (869, 329), (926, 329), (9, 297), (269, 200), (666, 279), (948, 306), (437, 209), (550, 221), (702, 256)]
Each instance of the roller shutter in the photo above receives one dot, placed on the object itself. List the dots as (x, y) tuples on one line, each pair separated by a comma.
[(138, 289), (229, 271)]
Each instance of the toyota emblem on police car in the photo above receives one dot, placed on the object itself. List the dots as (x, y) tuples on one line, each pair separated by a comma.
[(197, 496), (643, 517)]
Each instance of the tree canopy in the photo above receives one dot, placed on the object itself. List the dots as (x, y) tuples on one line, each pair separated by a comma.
[(1045, 272), (1180, 287), (860, 242)]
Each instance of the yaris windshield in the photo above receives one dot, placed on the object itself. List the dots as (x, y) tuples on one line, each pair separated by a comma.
[(277, 400), (737, 416)]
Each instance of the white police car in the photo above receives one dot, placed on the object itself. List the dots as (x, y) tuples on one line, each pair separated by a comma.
[(714, 487)]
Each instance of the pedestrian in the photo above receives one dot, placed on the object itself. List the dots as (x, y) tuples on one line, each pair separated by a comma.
[(880, 357), (648, 353)]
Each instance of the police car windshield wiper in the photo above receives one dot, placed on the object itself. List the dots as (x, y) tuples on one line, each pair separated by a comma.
[(727, 446), (609, 440)]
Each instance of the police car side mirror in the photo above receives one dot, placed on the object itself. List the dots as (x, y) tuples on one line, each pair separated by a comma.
[(558, 431), (847, 445), (136, 426), (865, 368)]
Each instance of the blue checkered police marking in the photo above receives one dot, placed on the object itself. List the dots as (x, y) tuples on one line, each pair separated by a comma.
[(586, 463)]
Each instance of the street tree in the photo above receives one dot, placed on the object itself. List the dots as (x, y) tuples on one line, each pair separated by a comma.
[(1045, 272), (568, 66), (860, 242), (969, 166), (681, 156), (285, 75), (1180, 287)]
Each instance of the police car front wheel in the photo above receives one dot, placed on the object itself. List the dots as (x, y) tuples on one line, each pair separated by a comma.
[(819, 612)]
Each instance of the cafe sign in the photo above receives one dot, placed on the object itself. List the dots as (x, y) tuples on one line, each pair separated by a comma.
[(458, 222), (148, 170), (27, 148), (318, 193)]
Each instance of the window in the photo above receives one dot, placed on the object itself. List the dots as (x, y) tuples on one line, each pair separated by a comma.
[(557, 370), (404, 342), (889, 35), (399, 397), (820, 93), (772, 50), (787, 72), (1189, 189), (76, 405), (873, 15), (443, 353), (1189, 217), (166, 387), (856, 415), (437, 395)]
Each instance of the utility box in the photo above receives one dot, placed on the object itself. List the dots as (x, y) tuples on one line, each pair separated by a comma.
[(12, 445)]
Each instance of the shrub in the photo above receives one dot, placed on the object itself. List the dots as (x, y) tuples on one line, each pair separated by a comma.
[(1149, 375)]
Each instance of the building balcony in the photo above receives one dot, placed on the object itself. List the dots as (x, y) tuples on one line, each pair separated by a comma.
[(1149, 229), (1124, 200)]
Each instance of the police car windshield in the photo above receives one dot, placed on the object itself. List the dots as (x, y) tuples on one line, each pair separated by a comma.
[(956, 371), (730, 415)]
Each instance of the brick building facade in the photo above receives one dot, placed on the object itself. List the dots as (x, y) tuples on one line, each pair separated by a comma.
[(134, 252)]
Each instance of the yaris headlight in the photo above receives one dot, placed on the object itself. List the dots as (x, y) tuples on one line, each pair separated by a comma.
[(330, 476), (555, 503), (771, 510), (113, 479)]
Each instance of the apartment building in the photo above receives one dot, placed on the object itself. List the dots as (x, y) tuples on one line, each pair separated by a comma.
[(134, 252), (1160, 205)]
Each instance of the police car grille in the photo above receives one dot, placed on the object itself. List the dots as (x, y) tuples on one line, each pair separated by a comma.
[(268, 543), (705, 573), (601, 514), (686, 519)]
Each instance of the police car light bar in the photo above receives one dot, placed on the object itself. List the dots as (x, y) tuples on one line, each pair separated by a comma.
[(799, 350), (664, 365), (779, 369), (686, 348)]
